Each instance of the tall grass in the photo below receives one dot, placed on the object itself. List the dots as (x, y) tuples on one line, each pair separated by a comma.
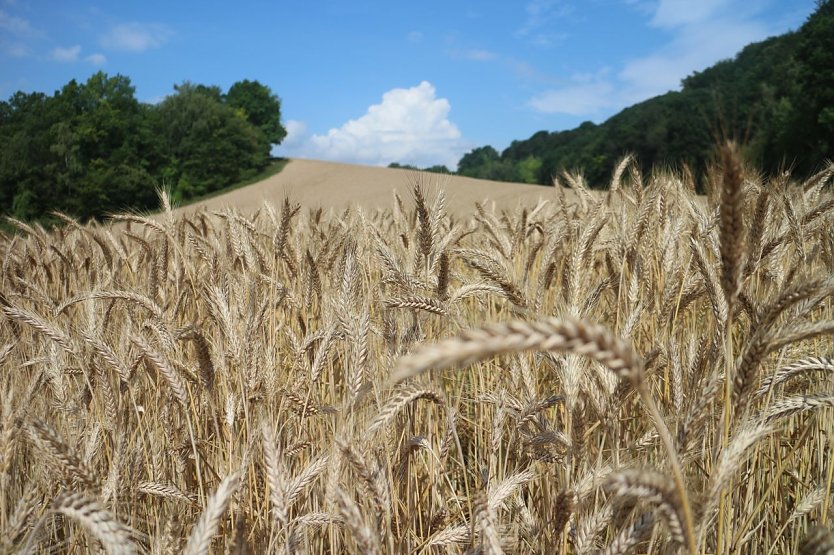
[(641, 370)]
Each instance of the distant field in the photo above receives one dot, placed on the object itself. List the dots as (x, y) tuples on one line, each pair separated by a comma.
[(562, 371), (314, 183)]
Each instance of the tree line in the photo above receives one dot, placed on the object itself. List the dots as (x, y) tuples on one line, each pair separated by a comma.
[(92, 148), (776, 97)]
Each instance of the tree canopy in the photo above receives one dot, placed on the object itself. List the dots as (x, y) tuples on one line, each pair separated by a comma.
[(92, 148), (260, 107)]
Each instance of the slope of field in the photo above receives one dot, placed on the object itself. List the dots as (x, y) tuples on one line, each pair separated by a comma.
[(314, 183)]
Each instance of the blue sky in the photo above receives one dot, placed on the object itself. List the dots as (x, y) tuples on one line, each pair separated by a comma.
[(375, 82)]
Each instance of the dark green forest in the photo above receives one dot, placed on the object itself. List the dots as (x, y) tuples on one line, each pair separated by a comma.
[(775, 97), (92, 148)]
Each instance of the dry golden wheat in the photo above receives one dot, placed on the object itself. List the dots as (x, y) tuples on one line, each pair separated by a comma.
[(642, 370)]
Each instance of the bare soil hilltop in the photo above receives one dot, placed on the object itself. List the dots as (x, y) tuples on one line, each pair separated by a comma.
[(314, 183)]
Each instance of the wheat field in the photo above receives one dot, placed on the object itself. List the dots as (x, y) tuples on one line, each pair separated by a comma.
[(636, 371)]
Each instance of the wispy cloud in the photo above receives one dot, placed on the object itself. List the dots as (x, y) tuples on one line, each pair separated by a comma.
[(702, 35), (409, 126), (16, 35), (136, 37), (71, 54), (17, 26), (645, 7), (97, 59), (16, 50), (68, 54), (674, 13), (474, 54), (541, 24), (414, 36), (583, 95), (695, 47)]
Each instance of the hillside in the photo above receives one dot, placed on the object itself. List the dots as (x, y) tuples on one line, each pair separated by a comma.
[(315, 184), (775, 96)]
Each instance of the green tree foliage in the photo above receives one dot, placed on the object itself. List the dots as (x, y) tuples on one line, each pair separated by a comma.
[(260, 107), (437, 168), (776, 97), (92, 148), (398, 166), (25, 153), (69, 152), (528, 169), (478, 162), (486, 163), (815, 54), (208, 143)]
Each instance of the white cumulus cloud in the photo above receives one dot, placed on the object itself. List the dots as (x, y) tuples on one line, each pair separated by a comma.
[(69, 54), (136, 37), (409, 126)]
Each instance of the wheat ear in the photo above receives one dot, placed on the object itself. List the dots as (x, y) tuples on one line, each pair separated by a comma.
[(550, 334), (654, 488), (630, 536), (114, 536), (483, 518), (41, 325), (731, 223), (200, 540), (403, 397), (806, 365), (53, 446), (161, 365), (553, 334), (417, 302), (273, 475), (365, 538)]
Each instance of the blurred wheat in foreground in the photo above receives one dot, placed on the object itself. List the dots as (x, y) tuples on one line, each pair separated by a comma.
[(638, 371)]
